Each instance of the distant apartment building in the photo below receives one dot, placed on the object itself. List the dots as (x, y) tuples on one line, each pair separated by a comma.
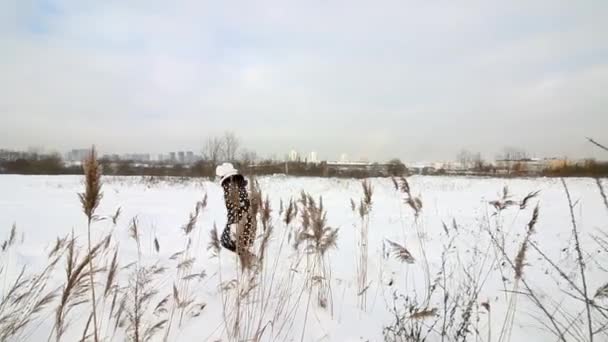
[(163, 157), (293, 156), (344, 158), (8, 155), (111, 157), (423, 168), (182, 157), (139, 157), (313, 157), (77, 155)]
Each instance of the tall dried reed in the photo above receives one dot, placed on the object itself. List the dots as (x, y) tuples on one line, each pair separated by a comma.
[(362, 241), (90, 199)]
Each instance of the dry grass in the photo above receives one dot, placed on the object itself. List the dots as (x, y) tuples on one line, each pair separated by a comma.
[(602, 192), (565, 324), (580, 260), (184, 301), (214, 241), (26, 297), (133, 308), (77, 283), (521, 255), (10, 241), (265, 301), (505, 201), (317, 239), (90, 199), (92, 194), (274, 287), (248, 299), (517, 266), (401, 253), (415, 203), (134, 313), (410, 321), (362, 241)]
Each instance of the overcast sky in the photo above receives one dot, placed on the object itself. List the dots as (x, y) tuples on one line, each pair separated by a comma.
[(418, 80)]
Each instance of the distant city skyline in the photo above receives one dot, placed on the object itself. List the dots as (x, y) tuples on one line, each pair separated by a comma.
[(189, 156)]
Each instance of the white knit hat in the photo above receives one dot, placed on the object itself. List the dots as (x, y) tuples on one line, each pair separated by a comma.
[(224, 171)]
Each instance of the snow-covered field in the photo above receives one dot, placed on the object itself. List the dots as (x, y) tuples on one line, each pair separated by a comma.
[(45, 207)]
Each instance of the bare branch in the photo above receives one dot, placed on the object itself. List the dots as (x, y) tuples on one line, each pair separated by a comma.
[(597, 144)]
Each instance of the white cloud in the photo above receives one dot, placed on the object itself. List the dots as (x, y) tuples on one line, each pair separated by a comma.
[(409, 79)]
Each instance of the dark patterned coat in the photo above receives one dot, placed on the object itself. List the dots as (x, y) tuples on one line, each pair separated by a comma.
[(240, 228)]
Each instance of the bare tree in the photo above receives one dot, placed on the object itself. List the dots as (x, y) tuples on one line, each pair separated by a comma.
[(478, 163), (248, 157), (469, 160), (465, 159), (213, 149), (231, 146), (513, 159), (396, 167)]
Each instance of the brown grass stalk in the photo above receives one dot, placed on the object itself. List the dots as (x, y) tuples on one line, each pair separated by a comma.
[(531, 293), (401, 253), (581, 261), (362, 248), (602, 192), (76, 284), (25, 298), (90, 199)]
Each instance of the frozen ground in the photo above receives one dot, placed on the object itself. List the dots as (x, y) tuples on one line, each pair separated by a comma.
[(44, 207)]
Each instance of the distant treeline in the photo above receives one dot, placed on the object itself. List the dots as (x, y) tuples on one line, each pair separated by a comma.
[(54, 165), (269, 167), (38, 165), (589, 168)]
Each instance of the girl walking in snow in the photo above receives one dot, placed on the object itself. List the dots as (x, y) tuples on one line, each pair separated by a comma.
[(239, 233)]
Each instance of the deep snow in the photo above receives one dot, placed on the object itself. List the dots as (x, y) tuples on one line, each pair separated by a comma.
[(44, 207)]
